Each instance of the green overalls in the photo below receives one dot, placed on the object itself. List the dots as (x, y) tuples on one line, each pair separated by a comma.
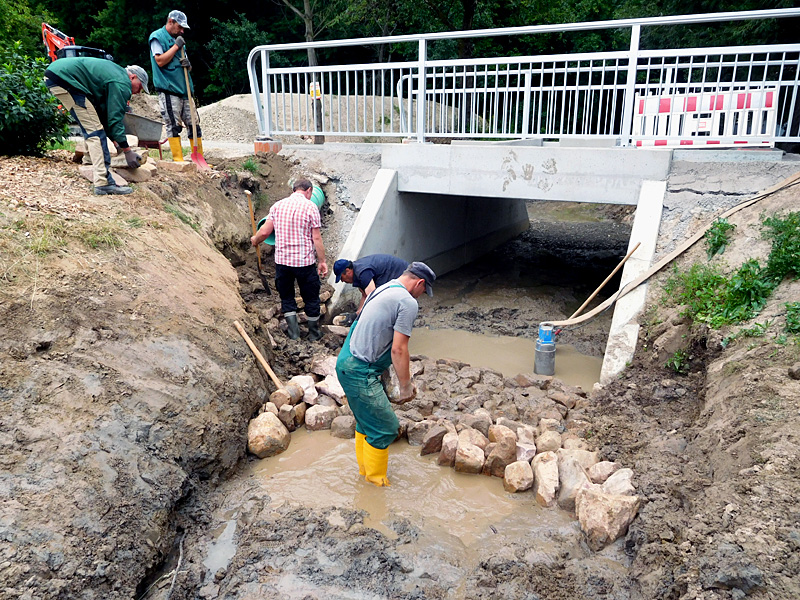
[(361, 382)]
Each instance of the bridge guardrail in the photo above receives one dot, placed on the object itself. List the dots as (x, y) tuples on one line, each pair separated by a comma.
[(547, 97)]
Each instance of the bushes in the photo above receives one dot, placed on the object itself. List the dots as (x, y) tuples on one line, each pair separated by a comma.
[(29, 115)]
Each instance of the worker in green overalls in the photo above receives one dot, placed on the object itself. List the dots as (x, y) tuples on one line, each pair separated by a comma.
[(379, 338)]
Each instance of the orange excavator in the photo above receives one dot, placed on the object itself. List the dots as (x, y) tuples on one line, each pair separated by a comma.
[(59, 45)]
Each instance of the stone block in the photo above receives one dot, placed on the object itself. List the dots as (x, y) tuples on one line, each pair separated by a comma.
[(267, 436), (518, 477), (169, 166)]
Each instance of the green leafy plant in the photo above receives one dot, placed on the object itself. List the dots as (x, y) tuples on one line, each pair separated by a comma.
[(747, 292), (718, 236), (793, 317), (784, 258), (29, 113), (757, 330), (678, 362), (250, 165)]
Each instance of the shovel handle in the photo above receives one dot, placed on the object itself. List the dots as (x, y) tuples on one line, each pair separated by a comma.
[(258, 355), (253, 223)]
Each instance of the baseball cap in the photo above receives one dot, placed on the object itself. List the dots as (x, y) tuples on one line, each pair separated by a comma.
[(339, 266), (423, 271), (141, 74), (179, 18)]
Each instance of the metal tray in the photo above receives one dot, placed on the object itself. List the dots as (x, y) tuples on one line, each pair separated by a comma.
[(143, 128)]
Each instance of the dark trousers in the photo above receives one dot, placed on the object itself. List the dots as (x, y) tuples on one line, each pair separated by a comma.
[(308, 282)]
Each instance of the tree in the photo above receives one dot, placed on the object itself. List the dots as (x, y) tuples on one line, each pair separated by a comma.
[(228, 50), (19, 23)]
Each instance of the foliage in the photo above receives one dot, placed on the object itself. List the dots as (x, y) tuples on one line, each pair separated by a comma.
[(793, 317), (757, 330), (678, 362), (251, 165), (718, 236), (19, 23), (29, 115), (711, 297), (784, 259), (229, 48)]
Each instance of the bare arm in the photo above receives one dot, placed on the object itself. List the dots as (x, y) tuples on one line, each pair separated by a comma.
[(322, 266), (263, 233), (364, 293), (162, 60), (401, 362)]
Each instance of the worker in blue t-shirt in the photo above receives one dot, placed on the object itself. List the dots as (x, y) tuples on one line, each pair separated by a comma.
[(366, 274)]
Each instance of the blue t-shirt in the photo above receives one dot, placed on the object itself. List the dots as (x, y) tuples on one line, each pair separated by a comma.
[(380, 268)]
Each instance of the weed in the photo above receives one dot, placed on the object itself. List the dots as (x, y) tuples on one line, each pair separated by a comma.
[(718, 236), (793, 317), (678, 362), (62, 145), (784, 258), (250, 165), (134, 222), (96, 236), (183, 217), (757, 330)]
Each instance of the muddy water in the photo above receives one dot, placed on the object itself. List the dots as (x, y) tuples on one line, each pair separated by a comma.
[(506, 354), (454, 512)]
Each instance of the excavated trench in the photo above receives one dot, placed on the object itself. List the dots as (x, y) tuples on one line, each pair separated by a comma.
[(303, 525)]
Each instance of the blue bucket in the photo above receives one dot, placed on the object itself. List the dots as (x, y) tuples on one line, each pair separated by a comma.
[(546, 333), (317, 197)]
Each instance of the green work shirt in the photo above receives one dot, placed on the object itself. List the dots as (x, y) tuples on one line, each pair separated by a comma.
[(106, 85), (169, 78)]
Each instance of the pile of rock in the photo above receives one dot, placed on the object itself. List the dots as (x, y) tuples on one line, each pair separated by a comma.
[(315, 400), (530, 431)]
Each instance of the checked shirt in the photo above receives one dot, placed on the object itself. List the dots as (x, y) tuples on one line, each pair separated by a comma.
[(294, 218)]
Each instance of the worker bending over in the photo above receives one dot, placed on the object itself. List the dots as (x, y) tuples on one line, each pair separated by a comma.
[(96, 92), (168, 58), (379, 338), (366, 274)]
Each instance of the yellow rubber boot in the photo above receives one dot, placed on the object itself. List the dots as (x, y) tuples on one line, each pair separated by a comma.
[(200, 145), (360, 441), (376, 463), (175, 148)]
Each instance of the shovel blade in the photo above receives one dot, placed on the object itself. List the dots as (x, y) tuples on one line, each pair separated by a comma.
[(198, 159)]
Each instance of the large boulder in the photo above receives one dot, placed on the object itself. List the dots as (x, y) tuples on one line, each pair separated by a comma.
[(469, 458), (545, 478), (620, 483), (572, 478), (320, 417), (585, 458), (518, 477), (432, 442), (603, 470), (308, 383), (267, 436), (525, 451), (473, 437), (331, 387), (417, 431), (549, 441), (604, 517), (503, 454), (447, 455)]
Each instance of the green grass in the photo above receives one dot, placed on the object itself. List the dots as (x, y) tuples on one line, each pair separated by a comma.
[(64, 145), (716, 299), (718, 236), (250, 165), (101, 236), (183, 217), (793, 317)]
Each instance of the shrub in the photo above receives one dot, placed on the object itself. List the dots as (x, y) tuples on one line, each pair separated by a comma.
[(29, 115), (784, 259)]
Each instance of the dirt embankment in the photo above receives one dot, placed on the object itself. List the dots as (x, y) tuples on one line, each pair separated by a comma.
[(122, 380)]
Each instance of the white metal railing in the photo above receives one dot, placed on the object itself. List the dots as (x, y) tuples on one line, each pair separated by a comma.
[(554, 96)]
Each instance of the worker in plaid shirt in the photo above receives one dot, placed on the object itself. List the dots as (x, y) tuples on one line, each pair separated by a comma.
[(299, 255)]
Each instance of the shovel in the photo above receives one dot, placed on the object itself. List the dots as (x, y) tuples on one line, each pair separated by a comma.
[(197, 158), (258, 247)]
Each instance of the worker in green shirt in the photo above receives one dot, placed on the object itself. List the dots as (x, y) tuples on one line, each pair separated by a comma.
[(96, 92)]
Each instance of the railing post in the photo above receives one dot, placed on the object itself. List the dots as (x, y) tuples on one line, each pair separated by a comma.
[(421, 93), (267, 102), (526, 105), (630, 86)]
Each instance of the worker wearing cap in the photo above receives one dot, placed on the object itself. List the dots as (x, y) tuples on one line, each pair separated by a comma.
[(96, 92), (366, 274), (379, 338), (168, 59)]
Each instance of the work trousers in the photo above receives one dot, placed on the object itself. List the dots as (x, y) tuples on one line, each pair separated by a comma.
[(81, 108), (176, 110), (361, 382), (308, 282)]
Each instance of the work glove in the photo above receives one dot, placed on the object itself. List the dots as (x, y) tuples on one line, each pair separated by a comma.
[(407, 393), (134, 160), (186, 64), (179, 42)]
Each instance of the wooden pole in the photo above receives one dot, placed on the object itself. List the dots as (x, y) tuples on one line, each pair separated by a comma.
[(258, 355), (605, 281)]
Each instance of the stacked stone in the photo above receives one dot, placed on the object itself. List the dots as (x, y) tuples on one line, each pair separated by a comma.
[(316, 401), (530, 430), (269, 312)]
